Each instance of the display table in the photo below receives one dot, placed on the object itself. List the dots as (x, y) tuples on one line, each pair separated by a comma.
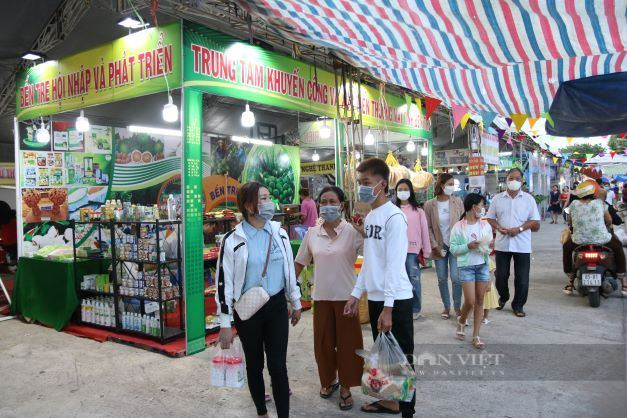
[(46, 290)]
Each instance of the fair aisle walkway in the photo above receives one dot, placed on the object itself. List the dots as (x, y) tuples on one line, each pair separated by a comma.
[(46, 373)]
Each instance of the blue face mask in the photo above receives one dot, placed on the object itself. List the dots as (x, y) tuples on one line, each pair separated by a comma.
[(329, 213), (266, 211), (366, 194)]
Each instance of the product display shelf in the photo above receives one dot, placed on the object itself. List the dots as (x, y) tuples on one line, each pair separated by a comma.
[(120, 264)]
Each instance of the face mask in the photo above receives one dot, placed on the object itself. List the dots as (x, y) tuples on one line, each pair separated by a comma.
[(266, 211), (481, 213), (514, 185), (449, 190), (366, 194), (403, 195), (329, 213)]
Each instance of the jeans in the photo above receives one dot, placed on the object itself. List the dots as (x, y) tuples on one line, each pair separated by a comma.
[(413, 271), (522, 265), (442, 268), (403, 331), (267, 329)]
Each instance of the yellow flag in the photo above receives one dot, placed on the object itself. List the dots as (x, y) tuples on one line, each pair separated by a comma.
[(464, 120), (519, 119), (419, 104), (569, 140), (555, 160), (532, 121)]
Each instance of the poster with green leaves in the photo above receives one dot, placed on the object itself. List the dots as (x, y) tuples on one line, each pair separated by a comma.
[(278, 167)]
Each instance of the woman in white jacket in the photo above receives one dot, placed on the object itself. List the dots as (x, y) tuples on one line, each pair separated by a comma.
[(243, 258)]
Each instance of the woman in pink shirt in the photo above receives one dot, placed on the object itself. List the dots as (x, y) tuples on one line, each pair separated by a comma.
[(333, 246), (308, 209), (417, 237)]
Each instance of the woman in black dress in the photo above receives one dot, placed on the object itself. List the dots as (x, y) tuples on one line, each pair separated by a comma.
[(554, 204)]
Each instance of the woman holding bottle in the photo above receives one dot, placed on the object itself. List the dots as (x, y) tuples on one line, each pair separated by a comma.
[(442, 213), (333, 246), (417, 236), (258, 253)]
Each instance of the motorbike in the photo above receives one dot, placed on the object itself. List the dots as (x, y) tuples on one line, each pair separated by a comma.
[(595, 272)]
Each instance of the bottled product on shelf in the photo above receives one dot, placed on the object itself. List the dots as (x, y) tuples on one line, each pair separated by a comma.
[(148, 324), (115, 210), (98, 311)]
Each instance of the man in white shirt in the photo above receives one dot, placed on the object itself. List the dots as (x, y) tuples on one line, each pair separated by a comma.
[(383, 274), (610, 194), (513, 214)]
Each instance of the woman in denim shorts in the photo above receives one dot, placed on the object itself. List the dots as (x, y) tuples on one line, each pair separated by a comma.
[(470, 243)]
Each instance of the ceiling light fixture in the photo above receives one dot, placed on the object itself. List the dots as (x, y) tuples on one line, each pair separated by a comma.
[(155, 131), (369, 138), (424, 151), (325, 131), (170, 111), (42, 135), (82, 123), (357, 155), (248, 118), (411, 147), (130, 22), (315, 157), (32, 56), (254, 141)]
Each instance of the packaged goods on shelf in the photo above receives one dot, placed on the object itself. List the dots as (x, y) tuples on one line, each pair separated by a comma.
[(98, 311)]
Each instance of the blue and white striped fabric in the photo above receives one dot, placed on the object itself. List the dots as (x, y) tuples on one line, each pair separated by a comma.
[(506, 56)]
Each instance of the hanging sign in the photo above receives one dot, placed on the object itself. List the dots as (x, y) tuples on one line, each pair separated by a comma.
[(219, 64), (490, 148), (132, 66), (317, 168), (475, 166)]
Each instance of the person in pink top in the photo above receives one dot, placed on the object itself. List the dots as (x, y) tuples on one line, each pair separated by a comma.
[(417, 237), (308, 209)]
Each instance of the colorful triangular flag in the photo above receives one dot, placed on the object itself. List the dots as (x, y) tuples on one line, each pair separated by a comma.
[(589, 156), (613, 153), (569, 140), (408, 102), (431, 104), (419, 104), (458, 113), (548, 118), (509, 122), (519, 119), (500, 133), (532, 121), (622, 136), (555, 160), (487, 117), (464, 120)]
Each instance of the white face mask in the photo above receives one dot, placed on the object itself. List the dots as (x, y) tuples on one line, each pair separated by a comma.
[(403, 195), (514, 185), (449, 190), (481, 213)]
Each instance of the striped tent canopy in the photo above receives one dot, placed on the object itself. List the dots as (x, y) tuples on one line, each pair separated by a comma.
[(505, 56)]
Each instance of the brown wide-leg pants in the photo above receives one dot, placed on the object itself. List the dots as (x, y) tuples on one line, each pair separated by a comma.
[(336, 338)]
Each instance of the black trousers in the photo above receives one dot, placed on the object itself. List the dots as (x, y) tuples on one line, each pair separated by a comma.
[(267, 330), (522, 265), (403, 330)]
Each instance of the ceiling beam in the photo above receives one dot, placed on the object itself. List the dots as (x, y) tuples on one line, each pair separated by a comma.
[(63, 20)]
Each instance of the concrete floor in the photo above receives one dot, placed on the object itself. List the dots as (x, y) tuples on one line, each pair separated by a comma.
[(50, 374)]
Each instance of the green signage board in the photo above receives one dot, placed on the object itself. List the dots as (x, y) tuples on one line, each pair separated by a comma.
[(192, 202), (222, 65), (132, 66)]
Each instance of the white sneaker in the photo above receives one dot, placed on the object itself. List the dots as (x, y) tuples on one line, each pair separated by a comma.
[(486, 321), (416, 316)]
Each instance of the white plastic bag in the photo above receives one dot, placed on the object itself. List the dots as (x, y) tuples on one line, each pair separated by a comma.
[(387, 374), (228, 367)]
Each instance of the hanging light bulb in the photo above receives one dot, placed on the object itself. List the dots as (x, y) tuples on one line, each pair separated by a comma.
[(357, 155), (369, 138), (315, 157), (248, 118), (170, 111), (325, 131), (424, 151), (82, 123), (42, 134), (411, 147)]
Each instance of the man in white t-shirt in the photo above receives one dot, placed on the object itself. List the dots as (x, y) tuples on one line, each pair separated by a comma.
[(513, 214), (383, 274)]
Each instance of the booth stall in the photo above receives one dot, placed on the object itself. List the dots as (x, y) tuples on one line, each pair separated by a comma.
[(131, 155)]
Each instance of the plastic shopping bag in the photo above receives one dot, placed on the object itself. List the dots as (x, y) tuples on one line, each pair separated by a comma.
[(228, 367), (387, 374)]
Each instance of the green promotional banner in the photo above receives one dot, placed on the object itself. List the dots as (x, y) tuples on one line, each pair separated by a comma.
[(132, 66), (192, 220), (223, 65)]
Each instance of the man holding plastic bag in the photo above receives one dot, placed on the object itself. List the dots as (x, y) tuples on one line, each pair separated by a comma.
[(387, 373)]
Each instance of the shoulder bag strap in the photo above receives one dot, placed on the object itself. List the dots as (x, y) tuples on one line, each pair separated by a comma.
[(265, 267)]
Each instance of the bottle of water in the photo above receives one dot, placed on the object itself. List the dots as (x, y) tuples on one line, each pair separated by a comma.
[(171, 208)]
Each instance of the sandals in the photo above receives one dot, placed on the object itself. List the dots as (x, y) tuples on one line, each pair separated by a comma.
[(347, 405), (568, 289), (445, 315), (460, 329), (379, 409), (330, 391), (477, 343), (501, 305), (520, 313)]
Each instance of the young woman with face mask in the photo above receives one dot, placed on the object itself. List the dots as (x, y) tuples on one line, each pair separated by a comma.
[(417, 236), (333, 246), (470, 242), (442, 212), (255, 246)]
